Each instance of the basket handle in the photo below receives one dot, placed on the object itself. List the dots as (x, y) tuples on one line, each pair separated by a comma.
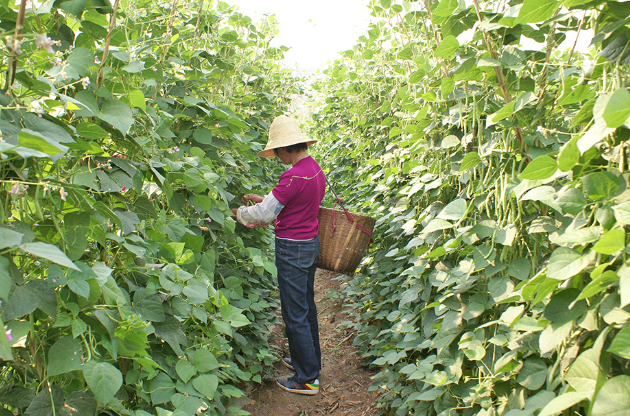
[(348, 215)]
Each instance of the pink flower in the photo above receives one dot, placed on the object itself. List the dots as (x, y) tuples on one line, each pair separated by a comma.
[(14, 189), (123, 189), (63, 194), (8, 332)]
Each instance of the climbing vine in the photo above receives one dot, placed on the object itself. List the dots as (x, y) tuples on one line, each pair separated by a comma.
[(495, 162)]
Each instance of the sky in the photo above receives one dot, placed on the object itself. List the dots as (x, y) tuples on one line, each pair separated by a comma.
[(316, 31)]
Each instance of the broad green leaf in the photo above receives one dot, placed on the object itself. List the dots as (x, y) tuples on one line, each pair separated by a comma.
[(162, 388), (569, 155), (79, 403), (75, 7), (572, 201), (540, 193), (43, 403), (5, 277), (611, 242), (185, 370), (524, 99), (504, 112), (449, 141), (188, 404), (117, 114), (9, 238), (622, 213), (600, 185), (613, 399), (565, 263), (621, 344), (136, 98), (534, 11), (455, 210), (36, 141), (471, 160), (196, 291), (519, 268), (578, 94), (533, 373), (203, 136), (585, 374), (437, 224), (581, 236), (64, 356), (205, 361), (49, 252), (559, 307), (447, 87), (554, 335), (562, 402), (103, 378), (447, 47), (133, 67), (542, 167), (206, 384), (618, 108), (90, 131)]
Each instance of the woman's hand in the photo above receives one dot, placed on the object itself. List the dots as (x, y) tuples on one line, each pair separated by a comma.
[(251, 197)]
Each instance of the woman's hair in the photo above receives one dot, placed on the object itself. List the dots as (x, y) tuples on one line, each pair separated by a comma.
[(293, 148)]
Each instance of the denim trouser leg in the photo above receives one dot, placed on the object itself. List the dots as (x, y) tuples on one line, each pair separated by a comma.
[(296, 263)]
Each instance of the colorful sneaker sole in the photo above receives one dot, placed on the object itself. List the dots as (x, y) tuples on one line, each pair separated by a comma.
[(309, 389)]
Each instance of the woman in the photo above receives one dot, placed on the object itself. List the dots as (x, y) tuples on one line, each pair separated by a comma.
[(293, 204)]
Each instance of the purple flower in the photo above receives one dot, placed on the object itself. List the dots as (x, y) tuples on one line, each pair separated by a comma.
[(44, 42), (8, 332), (14, 189)]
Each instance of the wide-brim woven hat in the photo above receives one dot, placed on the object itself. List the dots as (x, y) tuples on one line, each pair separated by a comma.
[(284, 131)]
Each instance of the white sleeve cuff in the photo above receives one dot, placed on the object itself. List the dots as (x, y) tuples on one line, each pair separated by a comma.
[(260, 215)]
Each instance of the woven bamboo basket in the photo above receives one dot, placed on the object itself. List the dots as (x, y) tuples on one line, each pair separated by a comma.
[(342, 250)]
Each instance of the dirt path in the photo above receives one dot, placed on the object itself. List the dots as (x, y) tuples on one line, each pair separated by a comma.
[(343, 381)]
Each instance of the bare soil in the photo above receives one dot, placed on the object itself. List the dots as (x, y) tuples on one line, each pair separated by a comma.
[(343, 382)]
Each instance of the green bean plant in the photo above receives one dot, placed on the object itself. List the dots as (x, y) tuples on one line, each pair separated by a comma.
[(128, 129), (491, 144)]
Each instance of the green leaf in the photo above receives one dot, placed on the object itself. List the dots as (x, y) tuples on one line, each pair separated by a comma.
[(196, 291), (42, 404), (136, 98), (133, 67), (206, 384), (565, 263), (611, 242), (103, 378), (162, 388), (79, 403), (449, 141), (77, 225), (185, 370), (504, 112), (9, 238), (621, 344), (585, 374), (580, 93), (569, 155), (534, 11), (36, 141), (613, 399), (572, 201), (203, 136), (558, 309), (447, 87), (437, 224), (5, 277), (470, 161), (533, 373), (542, 167), (581, 236), (447, 48), (455, 210), (90, 131), (64, 356), (75, 7), (205, 361), (217, 215), (118, 114), (600, 185), (622, 213), (49, 252), (562, 402), (618, 108)]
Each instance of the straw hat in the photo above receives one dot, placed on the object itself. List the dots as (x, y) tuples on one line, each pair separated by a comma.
[(284, 131)]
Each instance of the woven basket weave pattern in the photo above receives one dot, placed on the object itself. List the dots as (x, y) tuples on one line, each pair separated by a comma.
[(344, 250)]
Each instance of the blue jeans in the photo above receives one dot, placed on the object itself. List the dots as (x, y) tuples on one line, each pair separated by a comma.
[(296, 262)]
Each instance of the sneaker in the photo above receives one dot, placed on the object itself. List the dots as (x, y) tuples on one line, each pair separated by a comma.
[(287, 363), (291, 386)]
